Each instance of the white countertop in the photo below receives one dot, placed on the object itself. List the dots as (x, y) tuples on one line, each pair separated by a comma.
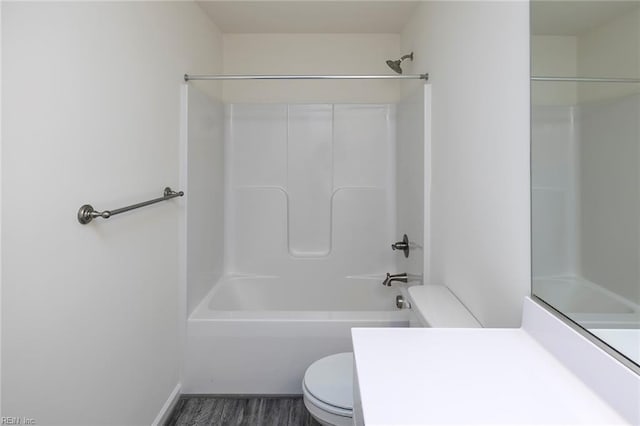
[(420, 376)]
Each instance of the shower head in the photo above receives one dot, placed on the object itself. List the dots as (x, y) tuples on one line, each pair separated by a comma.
[(395, 65)]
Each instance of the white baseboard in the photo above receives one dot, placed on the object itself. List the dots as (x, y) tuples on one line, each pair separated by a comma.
[(166, 409)]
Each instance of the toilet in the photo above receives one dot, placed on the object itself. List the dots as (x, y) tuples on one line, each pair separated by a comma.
[(327, 390), (327, 386)]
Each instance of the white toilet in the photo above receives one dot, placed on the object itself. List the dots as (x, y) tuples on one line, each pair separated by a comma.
[(327, 386), (327, 389)]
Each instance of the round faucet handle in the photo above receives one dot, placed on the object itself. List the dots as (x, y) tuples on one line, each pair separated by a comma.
[(402, 245)]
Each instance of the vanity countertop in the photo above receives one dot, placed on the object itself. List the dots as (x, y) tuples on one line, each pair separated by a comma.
[(421, 376)]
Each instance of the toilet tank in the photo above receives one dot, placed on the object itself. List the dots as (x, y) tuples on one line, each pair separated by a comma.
[(436, 306)]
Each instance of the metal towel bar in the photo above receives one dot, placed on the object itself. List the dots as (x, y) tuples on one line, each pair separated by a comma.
[(87, 213)]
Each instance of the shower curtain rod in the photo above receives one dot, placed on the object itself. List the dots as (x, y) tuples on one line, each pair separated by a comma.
[(188, 77), (587, 79)]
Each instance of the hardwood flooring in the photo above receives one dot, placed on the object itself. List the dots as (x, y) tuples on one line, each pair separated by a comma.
[(192, 411)]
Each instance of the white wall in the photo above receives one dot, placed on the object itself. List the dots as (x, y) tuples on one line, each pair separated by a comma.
[(477, 56), (310, 54), (91, 115)]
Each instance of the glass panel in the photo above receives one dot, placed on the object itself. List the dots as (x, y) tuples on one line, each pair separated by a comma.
[(585, 165)]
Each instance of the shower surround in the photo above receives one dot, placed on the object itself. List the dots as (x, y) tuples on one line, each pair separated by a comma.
[(309, 218), (310, 195)]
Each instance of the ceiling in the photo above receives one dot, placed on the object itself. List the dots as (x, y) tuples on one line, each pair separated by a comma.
[(571, 18), (548, 17), (309, 16)]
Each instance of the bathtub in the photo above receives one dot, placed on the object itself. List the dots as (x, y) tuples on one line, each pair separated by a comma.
[(587, 303), (257, 335)]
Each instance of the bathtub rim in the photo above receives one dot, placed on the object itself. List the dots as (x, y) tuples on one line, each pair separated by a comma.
[(202, 312), (581, 281)]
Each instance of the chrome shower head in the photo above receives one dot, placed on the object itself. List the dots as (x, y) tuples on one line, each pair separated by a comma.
[(395, 65)]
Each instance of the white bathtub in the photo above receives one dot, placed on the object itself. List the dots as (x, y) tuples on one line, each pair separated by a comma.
[(587, 303), (625, 340), (257, 335)]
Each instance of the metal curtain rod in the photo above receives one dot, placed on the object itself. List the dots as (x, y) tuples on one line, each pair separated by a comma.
[(87, 213), (188, 77), (587, 79)]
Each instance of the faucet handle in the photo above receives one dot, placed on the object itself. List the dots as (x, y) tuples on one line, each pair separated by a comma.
[(402, 245)]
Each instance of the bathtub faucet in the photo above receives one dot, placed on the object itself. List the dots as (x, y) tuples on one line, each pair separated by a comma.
[(402, 278)]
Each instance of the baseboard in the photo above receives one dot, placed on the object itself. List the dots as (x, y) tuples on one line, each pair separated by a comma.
[(166, 409)]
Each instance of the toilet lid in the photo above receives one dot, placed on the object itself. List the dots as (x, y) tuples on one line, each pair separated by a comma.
[(330, 380)]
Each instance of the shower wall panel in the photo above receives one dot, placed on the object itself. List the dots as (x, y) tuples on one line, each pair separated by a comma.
[(411, 178), (309, 179), (553, 179), (363, 152), (258, 148), (310, 189), (205, 194), (609, 196)]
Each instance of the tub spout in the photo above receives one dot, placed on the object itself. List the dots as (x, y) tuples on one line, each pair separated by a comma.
[(402, 278)]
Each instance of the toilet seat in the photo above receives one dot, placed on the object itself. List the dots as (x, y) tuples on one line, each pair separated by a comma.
[(338, 411), (328, 388)]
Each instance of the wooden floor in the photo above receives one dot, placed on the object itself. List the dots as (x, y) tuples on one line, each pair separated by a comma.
[(241, 411)]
